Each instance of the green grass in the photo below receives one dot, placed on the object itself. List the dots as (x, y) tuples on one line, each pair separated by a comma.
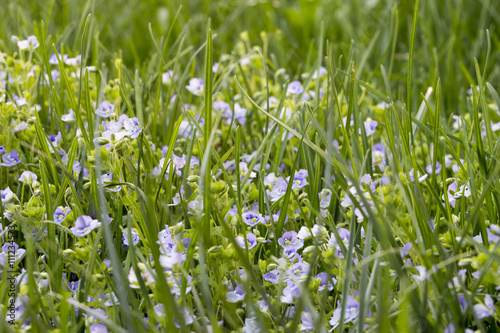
[(420, 58)]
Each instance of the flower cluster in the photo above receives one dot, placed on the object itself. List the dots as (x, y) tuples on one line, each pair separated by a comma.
[(277, 210)]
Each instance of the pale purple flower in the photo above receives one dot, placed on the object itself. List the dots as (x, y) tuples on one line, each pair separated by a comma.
[(68, 117), (325, 282), (251, 241), (462, 302), (455, 167), (290, 293), (195, 206), (270, 179), (84, 225), (188, 317), (244, 170), (344, 121), (459, 279), (485, 310), (29, 43), (10, 159), (2, 150), (307, 322), (196, 86), (252, 325), (382, 105), (167, 245), (273, 102), (239, 114), (348, 196), (73, 61), (344, 237), (312, 93), (222, 106), (458, 123), (351, 312), (164, 151), (422, 273), (122, 118), (237, 295), (325, 197), (77, 168), (448, 161), (164, 235), (290, 253), (370, 126), (299, 270), (451, 329), (494, 229), (53, 58), (18, 252), (273, 276), (105, 109), (55, 139), (6, 195), (492, 238), (176, 283), (27, 177), (105, 178), (113, 126), (431, 170), (251, 218), (133, 127), (173, 258), (215, 67), (178, 162), (185, 129), (168, 77), (61, 213), (279, 190), (177, 197), (294, 88), (146, 276), (420, 178), (316, 74), (299, 179), (384, 180), (113, 137), (98, 328), (303, 233), (317, 231), (289, 239), (406, 249), (453, 194), (135, 237), (19, 127)]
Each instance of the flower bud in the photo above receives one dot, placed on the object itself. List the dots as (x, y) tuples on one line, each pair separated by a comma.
[(101, 141), (214, 249), (262, 265), (118, 63), (178, 228), (119, 144), (193, 179), (219, 187)]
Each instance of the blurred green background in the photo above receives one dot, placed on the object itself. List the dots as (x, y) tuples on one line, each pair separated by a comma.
[(450, 33)]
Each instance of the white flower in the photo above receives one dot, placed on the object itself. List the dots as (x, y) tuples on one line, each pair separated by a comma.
[(29, 43), (195, 86)]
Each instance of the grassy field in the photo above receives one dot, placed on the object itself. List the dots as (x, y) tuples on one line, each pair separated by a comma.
[(249, 166)]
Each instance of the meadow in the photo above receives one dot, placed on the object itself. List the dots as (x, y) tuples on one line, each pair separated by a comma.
[(249, 166)]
